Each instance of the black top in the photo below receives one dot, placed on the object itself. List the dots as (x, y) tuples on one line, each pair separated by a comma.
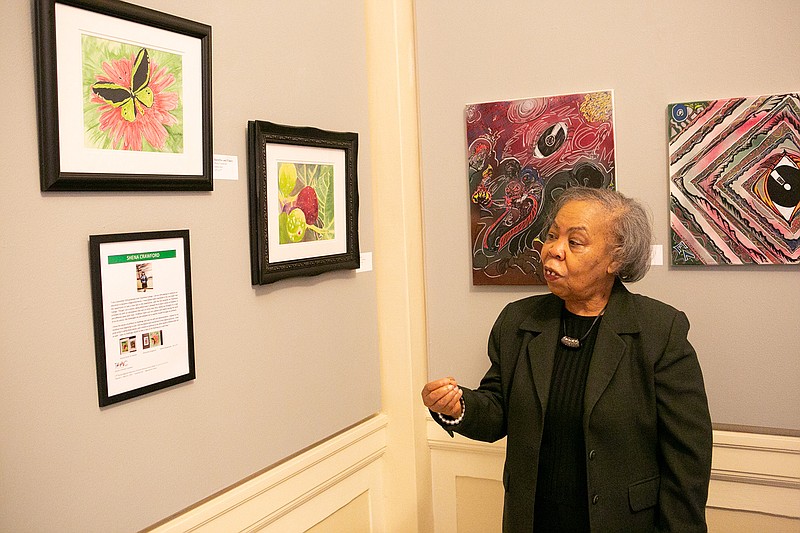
[(561, 493)]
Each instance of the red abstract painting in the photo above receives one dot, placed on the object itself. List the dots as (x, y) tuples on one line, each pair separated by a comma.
[(522, 154)]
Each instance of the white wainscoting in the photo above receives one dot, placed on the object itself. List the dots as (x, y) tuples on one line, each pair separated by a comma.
[(750, 472), (754, 472), (301, 492)]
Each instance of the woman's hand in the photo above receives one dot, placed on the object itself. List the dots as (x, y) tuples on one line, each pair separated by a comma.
[(443, 396)]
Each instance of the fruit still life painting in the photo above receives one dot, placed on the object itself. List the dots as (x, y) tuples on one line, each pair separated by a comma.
[(305, 196)]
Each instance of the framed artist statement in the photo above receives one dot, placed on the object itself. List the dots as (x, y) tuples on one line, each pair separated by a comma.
[(303, 201), (142, 303), (734, 169), (521, 154), (124, 98)]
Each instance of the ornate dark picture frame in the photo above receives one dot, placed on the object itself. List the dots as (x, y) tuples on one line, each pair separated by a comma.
[(303, 191)]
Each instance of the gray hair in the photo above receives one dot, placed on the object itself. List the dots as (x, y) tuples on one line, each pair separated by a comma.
[(629, 228)]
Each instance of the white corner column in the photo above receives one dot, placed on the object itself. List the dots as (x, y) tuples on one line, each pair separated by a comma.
[(398, 260)]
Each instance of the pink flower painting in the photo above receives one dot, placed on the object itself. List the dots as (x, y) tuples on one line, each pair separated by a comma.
[(134, 104)]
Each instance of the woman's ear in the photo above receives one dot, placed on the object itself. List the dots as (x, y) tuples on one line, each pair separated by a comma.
[(615, 265)]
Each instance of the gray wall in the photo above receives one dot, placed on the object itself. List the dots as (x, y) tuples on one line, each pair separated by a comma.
[(269, 383), (744, 319)]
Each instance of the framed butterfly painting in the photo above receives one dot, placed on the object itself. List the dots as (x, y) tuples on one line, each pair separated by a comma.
[(124, 98)]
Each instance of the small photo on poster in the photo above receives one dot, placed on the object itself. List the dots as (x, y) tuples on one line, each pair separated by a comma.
[(144, 277), (154, 339), (127, 345)]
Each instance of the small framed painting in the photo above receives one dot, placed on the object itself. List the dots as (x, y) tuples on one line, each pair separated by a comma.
[(123, 98), (303, 201)]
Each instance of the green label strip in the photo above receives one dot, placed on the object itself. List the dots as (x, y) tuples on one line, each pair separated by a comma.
[(145, 256)]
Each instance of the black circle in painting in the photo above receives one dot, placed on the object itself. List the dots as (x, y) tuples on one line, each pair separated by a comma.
[(551, 140), (784, 190)]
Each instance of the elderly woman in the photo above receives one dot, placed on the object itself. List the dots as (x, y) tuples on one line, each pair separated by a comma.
[(598, 389)]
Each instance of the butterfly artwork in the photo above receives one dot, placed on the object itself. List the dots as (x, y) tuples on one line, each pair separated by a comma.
[(129, 99), (134, 96)]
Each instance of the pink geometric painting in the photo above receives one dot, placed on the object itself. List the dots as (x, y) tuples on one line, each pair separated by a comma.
[(735, 181)]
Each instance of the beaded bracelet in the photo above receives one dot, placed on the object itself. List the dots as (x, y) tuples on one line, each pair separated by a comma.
[(450, 421)]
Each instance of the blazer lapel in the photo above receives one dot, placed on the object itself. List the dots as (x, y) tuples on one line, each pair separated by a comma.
[(620, 318), (542, 347)]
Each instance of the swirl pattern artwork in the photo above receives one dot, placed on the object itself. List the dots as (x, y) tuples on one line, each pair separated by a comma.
[(521, 155), (734, 169)]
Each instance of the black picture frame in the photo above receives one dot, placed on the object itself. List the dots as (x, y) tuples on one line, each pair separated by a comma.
[(151, 322), (324, 160), (66, 162)]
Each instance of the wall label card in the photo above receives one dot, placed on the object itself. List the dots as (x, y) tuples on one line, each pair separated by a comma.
[(226, 167)]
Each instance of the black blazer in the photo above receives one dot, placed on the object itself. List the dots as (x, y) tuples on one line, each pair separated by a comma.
[(646, 422)]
